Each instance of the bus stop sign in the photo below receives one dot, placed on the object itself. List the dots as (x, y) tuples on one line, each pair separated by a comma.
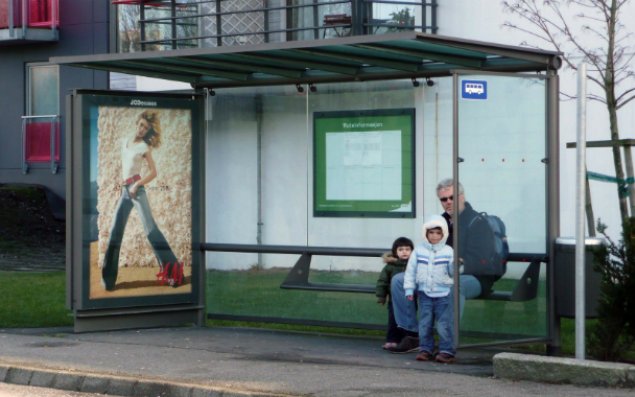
[(474, 89)]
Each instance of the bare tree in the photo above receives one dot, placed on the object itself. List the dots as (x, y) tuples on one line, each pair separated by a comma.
[(571, 27)]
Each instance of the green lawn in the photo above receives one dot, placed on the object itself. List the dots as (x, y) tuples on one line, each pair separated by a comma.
[(257, 293), (33, 300)]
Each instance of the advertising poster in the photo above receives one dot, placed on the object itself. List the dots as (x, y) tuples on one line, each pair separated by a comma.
[(364, 163), (138, 196)]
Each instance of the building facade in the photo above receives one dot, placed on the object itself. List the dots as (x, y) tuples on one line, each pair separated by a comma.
[(34, 90)]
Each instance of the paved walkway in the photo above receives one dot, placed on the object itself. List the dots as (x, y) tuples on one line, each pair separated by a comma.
[(194, 362)]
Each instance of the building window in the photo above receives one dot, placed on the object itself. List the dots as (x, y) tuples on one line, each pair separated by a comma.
[(129, 33), (172, 24), (41, 123), (311, 19), (158, 26), (43, 90)]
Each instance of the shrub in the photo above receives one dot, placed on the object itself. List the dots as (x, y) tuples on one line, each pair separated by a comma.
[(614, 333)]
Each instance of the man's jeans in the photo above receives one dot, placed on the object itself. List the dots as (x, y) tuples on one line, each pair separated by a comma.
[(393, 333), (406, 311), (439, 311), (160, 246)]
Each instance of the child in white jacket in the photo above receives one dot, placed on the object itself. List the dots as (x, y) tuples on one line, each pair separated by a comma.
[(429, 272)]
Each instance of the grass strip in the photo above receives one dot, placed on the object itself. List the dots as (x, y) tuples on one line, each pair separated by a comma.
[(34, 300)]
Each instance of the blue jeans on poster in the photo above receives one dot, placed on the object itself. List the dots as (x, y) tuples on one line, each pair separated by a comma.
[(406, 311), (437, 311), (162, 250)]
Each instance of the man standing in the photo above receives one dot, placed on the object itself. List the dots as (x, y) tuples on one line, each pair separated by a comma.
[(476, 246)]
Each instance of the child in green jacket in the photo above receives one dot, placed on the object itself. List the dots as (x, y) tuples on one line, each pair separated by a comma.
[(395, 262)]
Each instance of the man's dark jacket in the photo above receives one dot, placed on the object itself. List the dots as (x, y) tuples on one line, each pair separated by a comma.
[(476, 240)]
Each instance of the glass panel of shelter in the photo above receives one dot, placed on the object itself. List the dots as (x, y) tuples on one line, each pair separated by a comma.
[(256, 194), (363, 174), (271, 130), (501, 147), (271, 199)]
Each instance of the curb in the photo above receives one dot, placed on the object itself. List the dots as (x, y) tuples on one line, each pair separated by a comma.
[(549, 369), (125, 386)]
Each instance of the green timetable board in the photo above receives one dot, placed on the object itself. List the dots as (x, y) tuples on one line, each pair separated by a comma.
[(364, 163)]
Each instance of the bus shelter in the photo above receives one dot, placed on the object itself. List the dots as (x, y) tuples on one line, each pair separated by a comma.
[(303, 162)]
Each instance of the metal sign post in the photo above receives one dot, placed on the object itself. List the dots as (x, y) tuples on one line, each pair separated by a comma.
[(580, 205)]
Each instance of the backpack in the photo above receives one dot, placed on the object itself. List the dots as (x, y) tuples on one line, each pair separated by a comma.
[(497, 263)]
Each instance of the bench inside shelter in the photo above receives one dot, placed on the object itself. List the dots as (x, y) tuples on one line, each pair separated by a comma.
[(525, 288)]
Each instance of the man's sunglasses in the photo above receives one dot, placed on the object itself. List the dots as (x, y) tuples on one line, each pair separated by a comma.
[(444, 199)]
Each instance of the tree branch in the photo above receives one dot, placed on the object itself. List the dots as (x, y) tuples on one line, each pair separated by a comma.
[(625, 102)]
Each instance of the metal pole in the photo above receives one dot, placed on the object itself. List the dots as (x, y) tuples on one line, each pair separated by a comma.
[(259, 212), (142, 26), (25, 13), (52, 133), (552, 217), (580, 221), (25, 167), (455, 213), (628, 158)]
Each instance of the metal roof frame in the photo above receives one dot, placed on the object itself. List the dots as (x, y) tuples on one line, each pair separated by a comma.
[(354, 58)]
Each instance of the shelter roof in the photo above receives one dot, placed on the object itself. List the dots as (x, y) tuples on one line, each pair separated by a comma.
[(353, 58)]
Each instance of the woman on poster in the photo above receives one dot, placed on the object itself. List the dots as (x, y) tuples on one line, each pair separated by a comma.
[(134, 152)]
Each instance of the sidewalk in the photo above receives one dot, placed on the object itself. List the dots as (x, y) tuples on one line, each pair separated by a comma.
[(248, 362)]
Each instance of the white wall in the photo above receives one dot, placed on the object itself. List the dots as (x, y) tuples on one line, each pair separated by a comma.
[(287, 176)]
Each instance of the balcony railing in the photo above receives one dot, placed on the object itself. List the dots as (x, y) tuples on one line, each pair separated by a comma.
[(28, 21), (41, 141), (170, 24)]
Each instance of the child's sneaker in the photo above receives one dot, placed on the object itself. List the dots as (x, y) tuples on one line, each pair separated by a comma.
[(423, 356), (445, 358), (408, 344), (389, 345)]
